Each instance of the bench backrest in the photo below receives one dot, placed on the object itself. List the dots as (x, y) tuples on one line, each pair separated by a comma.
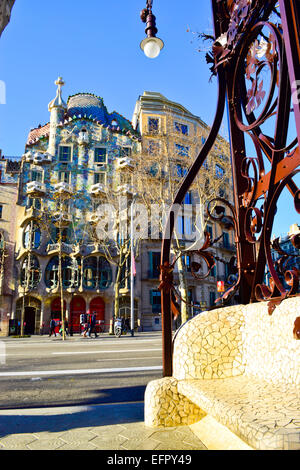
[(240, 339), (270, 349)]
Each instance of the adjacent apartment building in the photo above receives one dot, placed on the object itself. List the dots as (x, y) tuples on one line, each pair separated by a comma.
[(9, 170), (172, 138)]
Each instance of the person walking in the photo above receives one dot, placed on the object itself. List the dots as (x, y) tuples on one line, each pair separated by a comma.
[(83, 324), (87, 326), (92, 328), (127, 324), (66, 329), (52, 327)]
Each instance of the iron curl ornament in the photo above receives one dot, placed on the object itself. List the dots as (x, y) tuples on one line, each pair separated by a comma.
[(255, 56)]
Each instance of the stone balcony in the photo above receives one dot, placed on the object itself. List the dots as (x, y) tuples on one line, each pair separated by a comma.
[(37, 157), (98, 190), (53, 248), (42, 158), (61, 218), (35, 189), (124, 163), (63, 189)]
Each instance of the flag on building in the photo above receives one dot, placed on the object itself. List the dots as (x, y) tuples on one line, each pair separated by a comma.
[(133, 265)]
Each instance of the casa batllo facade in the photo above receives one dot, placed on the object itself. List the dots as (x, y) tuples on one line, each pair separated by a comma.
[(68, 165)]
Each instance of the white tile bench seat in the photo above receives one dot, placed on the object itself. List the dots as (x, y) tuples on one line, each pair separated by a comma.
[(239, 365), (264, 415)]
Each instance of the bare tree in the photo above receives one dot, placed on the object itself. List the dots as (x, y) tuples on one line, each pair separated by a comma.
[(111, 224), (164, 162)]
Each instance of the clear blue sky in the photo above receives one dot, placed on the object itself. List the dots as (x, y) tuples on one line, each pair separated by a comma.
[(94, 46)]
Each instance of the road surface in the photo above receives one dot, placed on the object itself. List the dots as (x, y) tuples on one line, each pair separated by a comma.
[(43, 372)]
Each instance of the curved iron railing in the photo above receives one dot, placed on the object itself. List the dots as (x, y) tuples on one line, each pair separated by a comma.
[(249, 46)]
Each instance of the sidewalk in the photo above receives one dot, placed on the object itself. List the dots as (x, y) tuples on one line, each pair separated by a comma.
[(101, 427), (78, 337)]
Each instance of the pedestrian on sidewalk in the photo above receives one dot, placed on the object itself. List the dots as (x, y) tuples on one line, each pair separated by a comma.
[(83, 322), (84, 327), (52, 327), (92, 328), (66, 328), (127, 324)]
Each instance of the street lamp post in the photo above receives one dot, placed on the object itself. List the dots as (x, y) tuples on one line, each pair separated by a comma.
[(151, 45), (132, 273)]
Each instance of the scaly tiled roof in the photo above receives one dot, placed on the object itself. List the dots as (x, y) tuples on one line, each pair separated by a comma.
[(85, 104), (37, 133), (92, 107)]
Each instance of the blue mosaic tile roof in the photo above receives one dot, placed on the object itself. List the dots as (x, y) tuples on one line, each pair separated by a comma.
[(91, 106)]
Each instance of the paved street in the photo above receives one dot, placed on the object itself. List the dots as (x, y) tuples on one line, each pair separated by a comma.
[(82, 394), (43, 371)]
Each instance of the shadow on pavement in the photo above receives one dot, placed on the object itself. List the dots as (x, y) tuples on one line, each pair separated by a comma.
[(68, 418), (87, 397), (119, 395)]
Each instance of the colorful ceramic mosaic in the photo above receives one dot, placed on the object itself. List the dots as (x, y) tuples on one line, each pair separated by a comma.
[(240, 365)]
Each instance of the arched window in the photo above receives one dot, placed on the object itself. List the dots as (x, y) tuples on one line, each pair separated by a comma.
[(70, 273), (97, 273), (51, 273), (90, 273), (32, 236), (30, 272), (105, 274)]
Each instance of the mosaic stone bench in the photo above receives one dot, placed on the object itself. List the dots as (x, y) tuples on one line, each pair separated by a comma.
[(239, 365)]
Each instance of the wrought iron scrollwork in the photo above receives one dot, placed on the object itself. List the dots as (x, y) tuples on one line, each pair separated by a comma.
[(256, 59)]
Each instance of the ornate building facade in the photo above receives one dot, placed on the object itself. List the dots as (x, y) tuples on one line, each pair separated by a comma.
[(68, 165), (84, 157), (171, 140)]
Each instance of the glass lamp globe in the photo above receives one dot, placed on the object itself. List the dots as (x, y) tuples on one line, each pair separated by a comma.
[(152, 47)]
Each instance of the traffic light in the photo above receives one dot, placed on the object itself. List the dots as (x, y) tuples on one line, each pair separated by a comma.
[(220, 286)]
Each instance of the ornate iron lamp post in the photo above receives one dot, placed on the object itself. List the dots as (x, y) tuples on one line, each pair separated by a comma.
[(151, 45)]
